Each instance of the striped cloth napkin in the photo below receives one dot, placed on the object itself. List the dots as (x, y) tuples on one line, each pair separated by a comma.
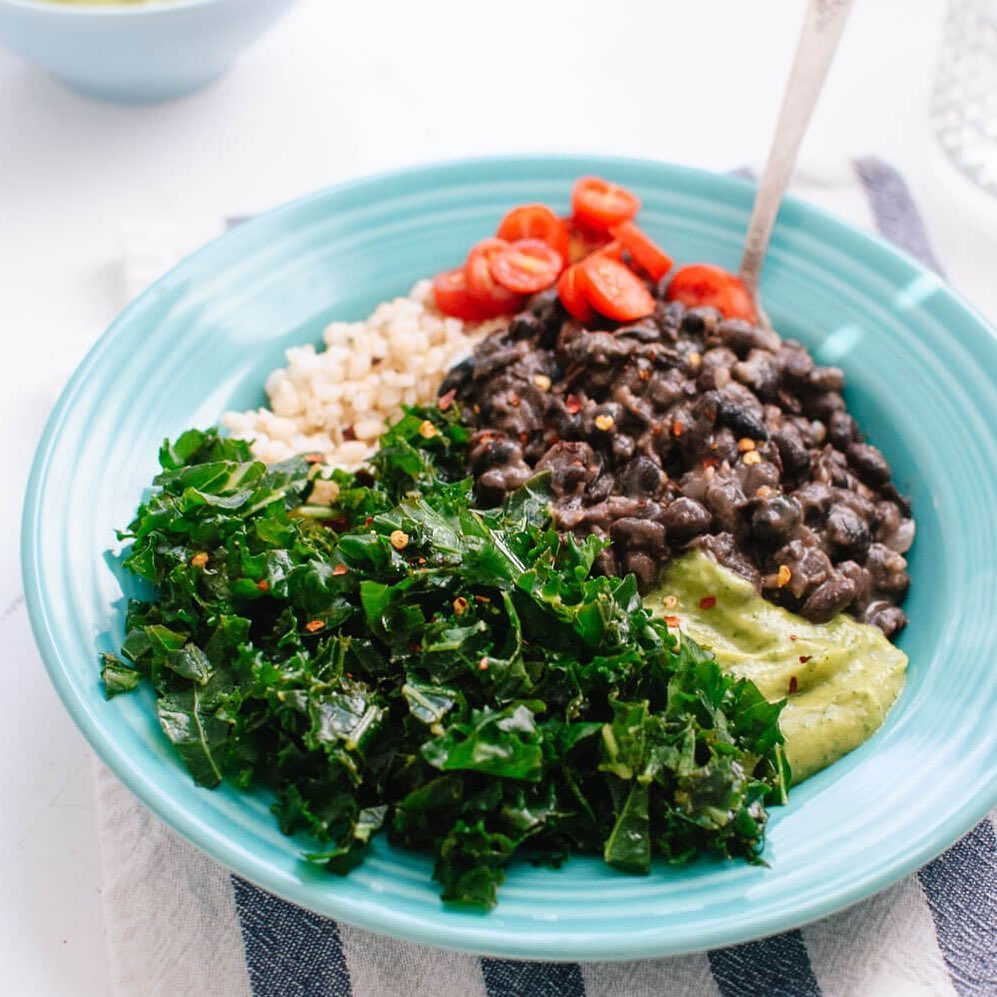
[(179, 924)]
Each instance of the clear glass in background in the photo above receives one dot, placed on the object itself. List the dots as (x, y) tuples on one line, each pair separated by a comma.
[(964, 103)]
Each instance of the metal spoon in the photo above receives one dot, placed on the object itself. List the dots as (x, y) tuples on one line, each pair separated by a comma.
[(822, 27)]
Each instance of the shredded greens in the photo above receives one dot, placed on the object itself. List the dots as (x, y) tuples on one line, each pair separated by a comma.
[(383, 656)]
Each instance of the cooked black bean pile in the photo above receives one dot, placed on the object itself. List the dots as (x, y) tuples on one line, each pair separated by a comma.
[(686, 430)]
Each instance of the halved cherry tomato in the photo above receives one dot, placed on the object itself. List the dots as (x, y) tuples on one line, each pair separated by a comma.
[(601, 204), (613, 249), (643, 250), (452, 297), (614, 290), (491, 297), (535, 221), (583, 241), (706, 284), (572, 294), (527, 266)]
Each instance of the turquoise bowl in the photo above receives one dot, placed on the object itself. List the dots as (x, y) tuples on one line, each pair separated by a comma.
[(136, 53), (920, 367)]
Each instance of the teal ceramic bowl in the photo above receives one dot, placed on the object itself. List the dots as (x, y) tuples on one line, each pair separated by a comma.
[(920, 368), (136, 53)]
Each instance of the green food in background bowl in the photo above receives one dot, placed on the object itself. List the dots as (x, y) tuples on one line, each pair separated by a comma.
[(135, 51)]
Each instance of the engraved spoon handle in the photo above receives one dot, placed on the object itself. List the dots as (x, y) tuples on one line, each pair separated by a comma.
[(822, 27)]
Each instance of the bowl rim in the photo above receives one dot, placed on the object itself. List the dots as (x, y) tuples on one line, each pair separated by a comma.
[(399, 924)]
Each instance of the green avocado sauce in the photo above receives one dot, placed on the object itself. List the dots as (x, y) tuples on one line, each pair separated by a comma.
[(844, 675)]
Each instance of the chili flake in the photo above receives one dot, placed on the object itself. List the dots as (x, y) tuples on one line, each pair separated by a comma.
[(399, 539), (783, 576), (312, 626), (763, 491), (483, 665), (793, 684), (572, 404), (199, 560), (427, 430), (644, 374), (482, 599), (707, 602), (752, 457), (313, 458), (263, 585), (793, 637), (542, 381), (446, 400), (804, 658), (604, 422), (678, 428), (460, 605), (695, 360), (745, 444), (672, 621), (340, 569)]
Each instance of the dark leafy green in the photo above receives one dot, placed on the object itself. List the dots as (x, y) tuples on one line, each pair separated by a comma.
[(400, 660)]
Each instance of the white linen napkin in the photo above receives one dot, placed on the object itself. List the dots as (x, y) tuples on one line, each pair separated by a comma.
[(179, 924)]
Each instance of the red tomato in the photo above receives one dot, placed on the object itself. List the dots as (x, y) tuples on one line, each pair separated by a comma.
[(491, 297), (572, 294), (582, 241), (706, 284), (643, 250), (613, 249), (535, 221), (453, 298), (601, 204), (614, 290), (527, 266)]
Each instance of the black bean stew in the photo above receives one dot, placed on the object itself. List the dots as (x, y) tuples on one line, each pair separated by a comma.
[(685, 430)]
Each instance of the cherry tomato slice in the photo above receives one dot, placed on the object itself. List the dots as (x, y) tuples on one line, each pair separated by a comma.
[(583, 241), (491, 297), (601, 204), (615, 290), (706, 284), (572, 295), (453, 298), (643, 250), (535, 221), (527, 266), (613, 249)]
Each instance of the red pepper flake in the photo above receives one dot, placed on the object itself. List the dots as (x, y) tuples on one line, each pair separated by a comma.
[(483, 665), (793, 684), (656, 429), (199, 560), (420, 560), (482, 599), (524, 437), (644, 374), (313, 458), (313, 626), (446, 400), (678, 428), (804, 658), (340, 569), (707, 602), (572, 404), (263, 585), (793, 637), (368, 521), (672, 621), (476, 407), (710, 462), (460, 605)]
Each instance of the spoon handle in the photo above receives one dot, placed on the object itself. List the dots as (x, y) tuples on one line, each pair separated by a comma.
[(822, 27)]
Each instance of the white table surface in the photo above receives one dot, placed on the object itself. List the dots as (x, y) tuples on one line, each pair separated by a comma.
[(338, 90)]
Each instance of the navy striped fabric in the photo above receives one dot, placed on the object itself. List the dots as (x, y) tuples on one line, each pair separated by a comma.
[(509, 978), (291, 952)]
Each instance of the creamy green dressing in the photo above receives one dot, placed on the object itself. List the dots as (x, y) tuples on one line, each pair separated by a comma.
[(848, 679)]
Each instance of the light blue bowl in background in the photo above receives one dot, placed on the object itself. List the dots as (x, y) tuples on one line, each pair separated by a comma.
[(920, 368), (136, 53)]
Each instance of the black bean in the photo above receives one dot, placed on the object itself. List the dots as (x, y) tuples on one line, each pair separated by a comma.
[(842, 429), (869, 463), (742, 336), (644, 534), (826, 379), (829, 598), (459, 376), (774, 518), (643, 568), (742, 420), (794, 455), (642, 476), (685, 518), (848, 535), (889, 618), (701, 321)]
